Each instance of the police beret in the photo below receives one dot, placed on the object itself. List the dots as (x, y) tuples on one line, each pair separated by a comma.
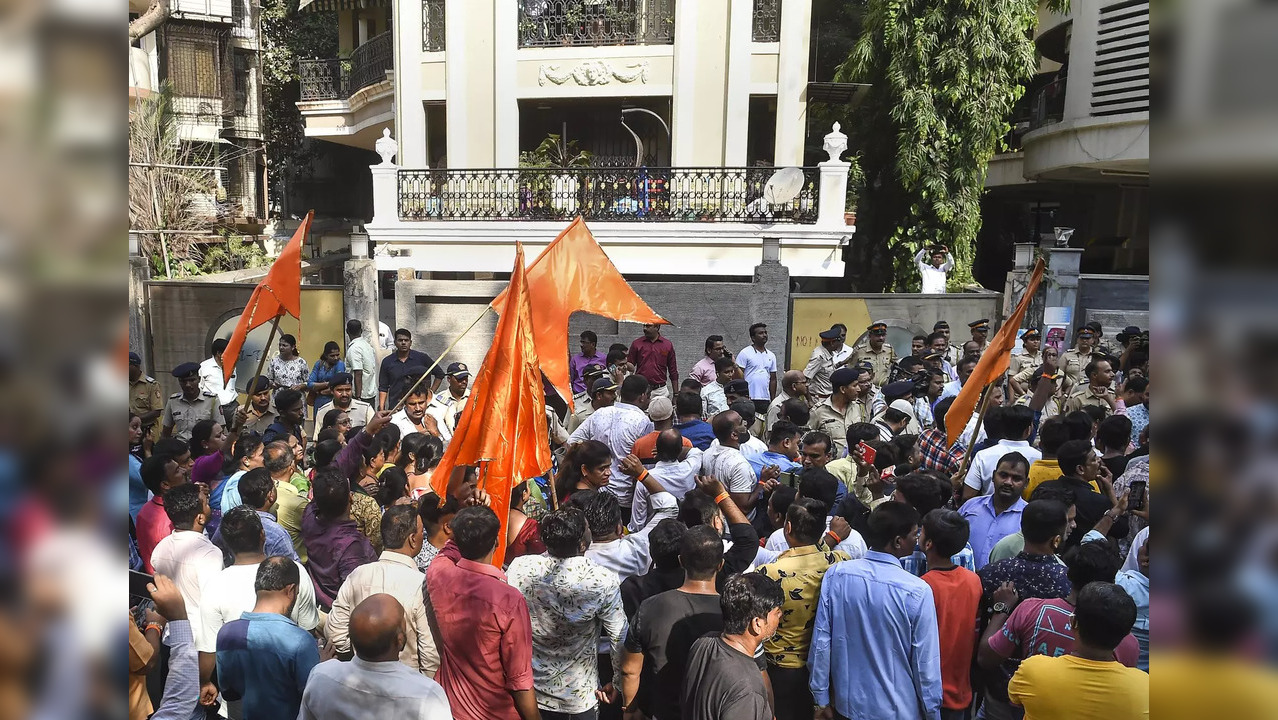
[(898, 389), (831, 334), (843, 376), (135, 359), (341, 378), (738, 387), (257, 387), (186, 370), (940, 325)]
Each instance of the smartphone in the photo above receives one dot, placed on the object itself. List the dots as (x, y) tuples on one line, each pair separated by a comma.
[(137, 584), (866, 453), (1136, 495), (790, 478)]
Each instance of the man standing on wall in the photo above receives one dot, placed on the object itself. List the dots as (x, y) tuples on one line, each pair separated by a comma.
[(654, 358), (760, 367), (934, 269)]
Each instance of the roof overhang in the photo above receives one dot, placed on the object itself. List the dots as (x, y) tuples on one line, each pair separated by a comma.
[(329, 5)]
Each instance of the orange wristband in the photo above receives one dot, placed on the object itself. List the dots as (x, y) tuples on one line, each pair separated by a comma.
[(642, 475), (721, 497)]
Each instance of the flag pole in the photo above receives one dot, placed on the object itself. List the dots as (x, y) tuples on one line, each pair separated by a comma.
[(261, 361), (980, 418), (439, 359)]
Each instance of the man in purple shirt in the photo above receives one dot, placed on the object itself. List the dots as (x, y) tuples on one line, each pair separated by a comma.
[(654, 358), (588, 356), (334, 544), (995, 516)]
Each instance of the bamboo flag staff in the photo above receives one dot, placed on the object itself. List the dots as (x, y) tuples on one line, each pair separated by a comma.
[(438, 360), (980, 418)]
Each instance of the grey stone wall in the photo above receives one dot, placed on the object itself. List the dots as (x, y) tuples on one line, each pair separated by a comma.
[(439, 310)]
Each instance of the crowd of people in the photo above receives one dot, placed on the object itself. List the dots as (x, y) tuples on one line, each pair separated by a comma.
[(740, 542)]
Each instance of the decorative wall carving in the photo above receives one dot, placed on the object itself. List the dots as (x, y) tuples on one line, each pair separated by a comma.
[(593, 72)]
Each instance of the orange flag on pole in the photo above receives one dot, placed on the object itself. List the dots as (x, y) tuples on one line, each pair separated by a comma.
[(994, 362), (503, 427), (278, 293), (573, 273)]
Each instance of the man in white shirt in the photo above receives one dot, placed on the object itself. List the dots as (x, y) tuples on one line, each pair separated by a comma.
[(934, 269), (211, 382), (395, 573), (231, 593), (714, 398), (725, 462), (676, 469), (760, 368), (361, 361), (412, 418), (344, 400), (794, 384), (374, 682), (618, 427), (572, 601), (626, 555), (1015, 422), (188, 556)]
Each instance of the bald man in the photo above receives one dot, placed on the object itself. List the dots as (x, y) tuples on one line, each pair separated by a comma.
[(676, 467), (794, 384), (374, 678)]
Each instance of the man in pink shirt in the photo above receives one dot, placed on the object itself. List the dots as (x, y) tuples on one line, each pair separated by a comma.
[(481, 625), (159, 473)]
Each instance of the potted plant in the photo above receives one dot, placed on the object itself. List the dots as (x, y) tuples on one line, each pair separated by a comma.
[(557, 191)]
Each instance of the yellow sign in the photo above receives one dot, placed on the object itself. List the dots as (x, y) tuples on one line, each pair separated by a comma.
[(810, 316)]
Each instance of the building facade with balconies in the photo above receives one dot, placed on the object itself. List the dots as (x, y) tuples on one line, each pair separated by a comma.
[(208, 53), (1080, 142), (659, 121)]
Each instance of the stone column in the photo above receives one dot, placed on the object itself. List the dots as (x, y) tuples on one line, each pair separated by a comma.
[(360, 296), (139, 273), (792, 82), (1062, 284), (770, 301)]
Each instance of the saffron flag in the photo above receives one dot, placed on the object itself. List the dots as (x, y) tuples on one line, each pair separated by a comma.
[(502, 429), (278, 293), (994, 362), (573, 273)]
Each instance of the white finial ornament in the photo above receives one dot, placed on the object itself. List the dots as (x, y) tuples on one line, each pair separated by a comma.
[(388, 148), (836, 143)]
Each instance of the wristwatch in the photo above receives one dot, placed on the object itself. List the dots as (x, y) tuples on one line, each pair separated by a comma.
[(1001, 607)]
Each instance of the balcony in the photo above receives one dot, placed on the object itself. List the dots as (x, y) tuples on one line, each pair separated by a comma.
[(766, 23), (568, 23), (1047, 106), (608, 194), (338, 79)]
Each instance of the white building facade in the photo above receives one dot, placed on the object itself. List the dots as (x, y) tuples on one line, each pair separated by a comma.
[(659, 121)]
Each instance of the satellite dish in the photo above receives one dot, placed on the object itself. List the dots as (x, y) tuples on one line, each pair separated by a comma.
[(783, 186)]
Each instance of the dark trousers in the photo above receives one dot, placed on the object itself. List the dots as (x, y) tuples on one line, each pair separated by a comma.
[(793, 697), (948, 714), (607, 711), (590, 714)]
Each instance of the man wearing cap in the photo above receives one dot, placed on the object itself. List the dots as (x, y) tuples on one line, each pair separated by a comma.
[(951, 353), (900, 395), (794, 384), (448, 404), (584, 403), (843, 407), (759, 366), (144, 397), (736, 390), (578, 362), (211, 381), (1030, 356), (894, 420), (980, 332), (344, 400), (1099, 344), (934, 268), (661, 413), (188, 406), (822, 364), (877, 352), (1076, 358), (259, 414)]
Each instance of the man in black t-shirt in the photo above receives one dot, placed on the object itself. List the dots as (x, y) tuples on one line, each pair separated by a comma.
[(666, 625), (722, 678)]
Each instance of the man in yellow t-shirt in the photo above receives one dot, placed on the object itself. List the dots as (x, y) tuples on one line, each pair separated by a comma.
[(1088, 683), (1051, 435)]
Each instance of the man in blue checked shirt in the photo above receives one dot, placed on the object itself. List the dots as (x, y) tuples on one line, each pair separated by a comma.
[(850, 658)]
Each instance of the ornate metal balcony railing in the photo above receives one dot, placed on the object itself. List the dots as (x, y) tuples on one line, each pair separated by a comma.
[(547, 23), (338, 79), (767, 21), (613, 194), (432, 25)]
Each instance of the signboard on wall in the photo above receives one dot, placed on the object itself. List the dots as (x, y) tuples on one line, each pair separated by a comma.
[(810, 316)]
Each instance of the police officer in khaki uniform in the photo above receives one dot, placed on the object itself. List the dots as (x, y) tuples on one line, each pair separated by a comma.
[(1031, 357), (980, 332), (952, 353), (844, 407), (1075, 359), (603, 393), (260, 413), (582, 406), (877, 353), (1097, 390), (447, 404), (186, 408), (144, 398)]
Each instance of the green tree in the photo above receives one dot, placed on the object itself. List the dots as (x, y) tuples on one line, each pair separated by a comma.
[(289, 35), (944, 77)]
